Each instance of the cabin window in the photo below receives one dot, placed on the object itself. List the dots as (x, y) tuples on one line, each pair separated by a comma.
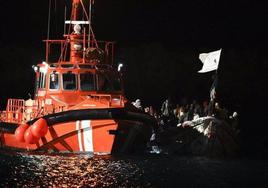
[(104, 83), (107, 81), (42, 80), (86, 66), (54, 81), (117, 84), (69, 81), (67, 66), (87, 81)]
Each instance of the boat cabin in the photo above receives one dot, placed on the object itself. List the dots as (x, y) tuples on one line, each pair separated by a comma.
[(83, 79)]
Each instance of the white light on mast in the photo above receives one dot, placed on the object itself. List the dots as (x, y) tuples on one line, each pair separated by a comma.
[(44, 68), (77, 29), (35, 68)]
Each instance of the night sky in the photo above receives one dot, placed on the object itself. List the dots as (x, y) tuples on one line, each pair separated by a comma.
[(159, 43)]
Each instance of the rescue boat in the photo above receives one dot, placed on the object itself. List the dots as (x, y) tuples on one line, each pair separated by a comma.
[(79, 103)]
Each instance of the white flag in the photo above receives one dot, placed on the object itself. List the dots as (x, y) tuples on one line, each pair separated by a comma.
[(210, 61)]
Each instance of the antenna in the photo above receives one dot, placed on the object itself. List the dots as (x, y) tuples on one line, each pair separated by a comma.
[(89, 19), (48, 21), (65, 12)]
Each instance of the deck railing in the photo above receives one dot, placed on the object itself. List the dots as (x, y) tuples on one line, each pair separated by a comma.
[(110, 100), (15, 110)]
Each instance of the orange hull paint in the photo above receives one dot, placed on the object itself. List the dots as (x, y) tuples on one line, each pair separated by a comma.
[(103, 141), (72, 138), (10, 141)]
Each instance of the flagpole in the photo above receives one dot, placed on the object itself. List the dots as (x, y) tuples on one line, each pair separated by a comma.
[(213, 94), (210, 63)]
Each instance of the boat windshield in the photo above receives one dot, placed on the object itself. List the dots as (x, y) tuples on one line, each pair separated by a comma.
[(42, 80), (69, 81), (87, 81), (103, 81), (108, 81)]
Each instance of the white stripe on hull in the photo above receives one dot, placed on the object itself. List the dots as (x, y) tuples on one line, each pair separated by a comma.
[(79, 135), (87, 133), (84, 135)]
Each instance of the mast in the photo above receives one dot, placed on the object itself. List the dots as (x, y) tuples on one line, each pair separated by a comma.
[(80, 41), (76, 50), (80, 44), (75, 9)]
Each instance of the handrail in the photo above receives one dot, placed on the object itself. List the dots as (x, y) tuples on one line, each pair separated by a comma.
[(111, 97), (15, 110)]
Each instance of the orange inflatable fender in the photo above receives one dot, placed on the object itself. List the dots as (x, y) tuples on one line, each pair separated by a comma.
[(39, 128), (19, 133), (29, 137)]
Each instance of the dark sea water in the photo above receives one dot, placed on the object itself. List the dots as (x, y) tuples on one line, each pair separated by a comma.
[(148, 170)]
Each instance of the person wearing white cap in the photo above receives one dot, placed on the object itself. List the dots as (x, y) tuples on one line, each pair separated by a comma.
[(137, 104)]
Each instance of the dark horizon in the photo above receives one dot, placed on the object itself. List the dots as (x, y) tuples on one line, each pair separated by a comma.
[(154, 35)]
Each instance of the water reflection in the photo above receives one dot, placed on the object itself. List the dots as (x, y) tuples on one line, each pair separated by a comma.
[(67, 171), (28, 170)]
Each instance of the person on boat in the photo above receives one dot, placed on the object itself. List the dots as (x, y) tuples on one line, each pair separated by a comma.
[(213, 94), (190, 112), (204, 109), (167, 111), (54, 82), (196, 114), (151, 111), (176, 111), (146, 110), (137, 104), (220, 113), (182, 116), (234, 123)]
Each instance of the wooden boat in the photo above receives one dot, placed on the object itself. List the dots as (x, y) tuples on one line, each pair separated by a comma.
[(79, 103)]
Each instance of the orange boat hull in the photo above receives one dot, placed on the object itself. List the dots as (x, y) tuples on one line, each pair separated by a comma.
[(93, 136)]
